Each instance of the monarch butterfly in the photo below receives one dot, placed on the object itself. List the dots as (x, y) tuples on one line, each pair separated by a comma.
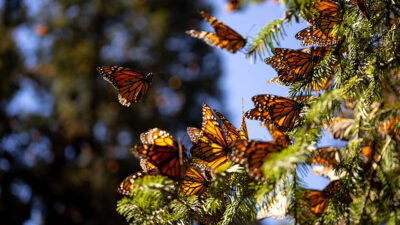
[(282, 112), (276, 209), (194, 182), (340, 127), (387, 127), (232, 5), (163, 153), (327, 156), (131, 85), (243, 129), (321, 30), (224, 37), (128, 184), (319, 200), (210, 144), (295, 65), (277, 135), (252, 154)]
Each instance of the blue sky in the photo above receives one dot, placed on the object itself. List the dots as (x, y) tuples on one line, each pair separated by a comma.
[(243, 79)]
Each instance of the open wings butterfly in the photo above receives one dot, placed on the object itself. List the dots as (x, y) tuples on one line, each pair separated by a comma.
[(318, 201), (224, 37), (162, 152), (132, 86), (252, 154), (295, 65), (195, 181), (282, 112), (211, 143)]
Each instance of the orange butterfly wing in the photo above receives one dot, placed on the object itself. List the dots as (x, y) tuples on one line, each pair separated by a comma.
[(128, 184), (252, 154), (224, 37), (163, 153), (131, 85), (194, 182)]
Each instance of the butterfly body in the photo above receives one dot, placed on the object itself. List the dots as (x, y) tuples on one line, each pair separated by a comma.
[(131, 85), (162, 152), (224, 36), (252, 154)]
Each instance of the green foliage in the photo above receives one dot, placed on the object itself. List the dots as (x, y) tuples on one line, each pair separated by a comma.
[(365, 63)]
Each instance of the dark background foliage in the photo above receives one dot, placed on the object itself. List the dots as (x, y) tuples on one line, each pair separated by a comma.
[(64, 138)]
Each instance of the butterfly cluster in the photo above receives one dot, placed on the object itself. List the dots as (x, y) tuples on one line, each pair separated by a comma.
[(217, 144)]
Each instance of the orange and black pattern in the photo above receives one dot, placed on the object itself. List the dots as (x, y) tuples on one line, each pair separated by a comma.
[(252, 154), (128, 184), (295, 65), (163, 153), (318, 201), (278, 137), (327, 156), (320, 32), (282, 112), (195, 181), (224, 37), (132, 86)]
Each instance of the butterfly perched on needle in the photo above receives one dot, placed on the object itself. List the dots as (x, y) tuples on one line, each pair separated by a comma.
[(224, 36), (132, 86), (320, 32), (196, 180), (327, 158), (252, 154), (282, 112), (296, 65), (317, 200), (129, 183), (162, 152), (211, 142)]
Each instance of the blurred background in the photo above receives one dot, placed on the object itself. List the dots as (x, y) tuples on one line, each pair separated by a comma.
[(64, 138)]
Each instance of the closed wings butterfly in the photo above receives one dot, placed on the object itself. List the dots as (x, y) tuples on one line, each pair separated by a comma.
[(282, 112), (252, 154), (132, 86), (224, 37), (162, 152), (320, 32)]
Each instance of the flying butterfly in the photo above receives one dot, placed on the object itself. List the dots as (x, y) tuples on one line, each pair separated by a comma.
[(252, 154), (163, 153), (296, 65), (132, 86), (224, 37), (282, 112), (128, 184), (320, 32), (195, 181), (319, 200)]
